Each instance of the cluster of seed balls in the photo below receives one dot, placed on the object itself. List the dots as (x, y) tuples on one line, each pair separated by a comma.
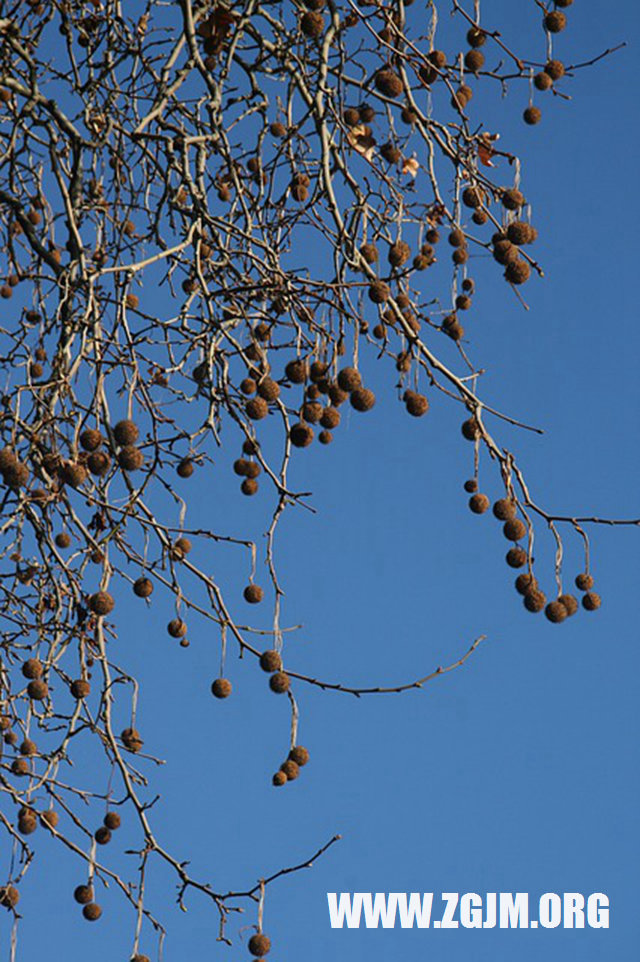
[(93, 458), (37, 690), (83, 894), (554, 21), (271, 662), (514, 529)]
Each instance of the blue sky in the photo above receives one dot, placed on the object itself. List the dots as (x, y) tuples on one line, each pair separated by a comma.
[(518, 772)]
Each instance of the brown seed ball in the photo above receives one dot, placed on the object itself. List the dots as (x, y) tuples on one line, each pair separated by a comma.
[(131, 739), (479, 503), (20, 766), (126, 432), (480, 217), (80, 688), (8, 459), (476, 37), (11, 738), (112, 821), (369, 253), (570, 603), (101, 603), (504, 509), (453, 328), (456, 237), (463, 302), (130, 458), (257, 408), (92, 912), (177, 628), (291, 769), (301, 435), (391, 153), (312, 24), (591, 601), (534, 600), (249, 487), (318, 371), (312, 412), (330, 418), (474, 60), (279, 682), (520, 232), (516, 557), (32, 668), (460, 255), (542, 81), (555, 69), (555, 21), (299, 755), (180, 549), (102, 835), (379, 292), (259, 944), (9, 896), (388, 83), (416, 404), (513, 199), (143, 587), (279, 779), (532, 115), (28, 747), (83, 894), (62, 540), (470, 429), (362, 399), (140, 958), (399, 254), (504, 252), (99, 463), (90, 439), (432, 235), (96, 557), (271, 660), (75, 474), (277, 129), (555, 612), (269, 389), (37, 690), (470, 486), (461, 97), (50, 817), (517, 272), (250, 446), (438, 58), (221, 688), (185, 468), (584, 582), (253, 469), (248, 386), (253, 594), (351, 116), (367, 113), (349, 379), (514, 529), (240, 467)]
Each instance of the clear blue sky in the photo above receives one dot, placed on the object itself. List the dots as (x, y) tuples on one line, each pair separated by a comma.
[(518, 772)]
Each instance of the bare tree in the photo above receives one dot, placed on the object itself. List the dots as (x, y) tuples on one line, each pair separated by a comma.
[(195, 149)]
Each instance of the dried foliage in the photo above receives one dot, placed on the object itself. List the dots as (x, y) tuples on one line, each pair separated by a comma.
[(196, 149)]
